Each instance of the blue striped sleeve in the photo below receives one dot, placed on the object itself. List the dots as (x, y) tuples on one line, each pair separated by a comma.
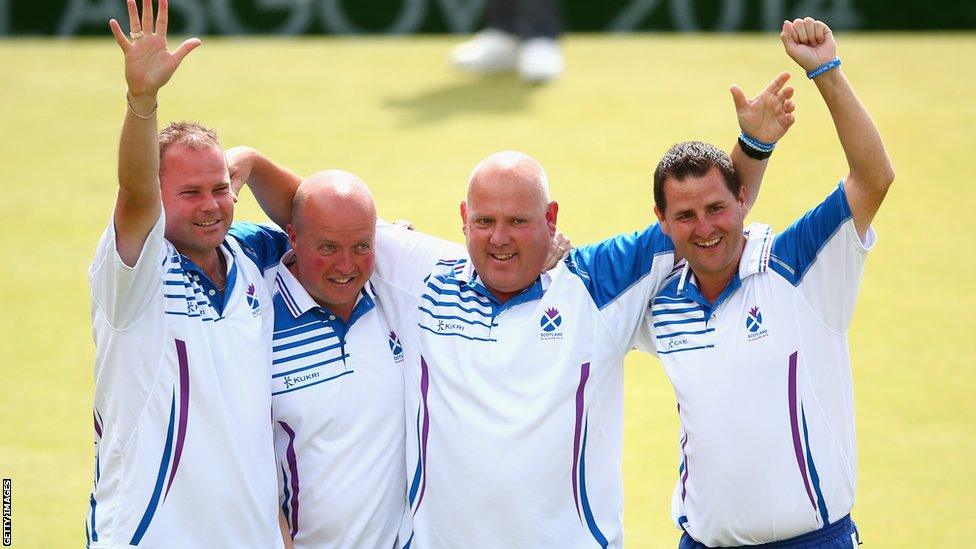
[(263, 245), (608, 268), (795, 249)]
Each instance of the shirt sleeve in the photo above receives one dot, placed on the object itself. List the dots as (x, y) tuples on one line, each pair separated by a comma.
[(643, 339), (621, 274), (123, 293), (263, 244), (822, 255), (404, 260)]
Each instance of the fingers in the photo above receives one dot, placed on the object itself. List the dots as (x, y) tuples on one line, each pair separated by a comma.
[(786, 93), (119, 35), (801, 31), (134, 24), (738, 97), (147, 15), (777, 84), (162, 18), (186, 47), (820, 31), (789, 106)]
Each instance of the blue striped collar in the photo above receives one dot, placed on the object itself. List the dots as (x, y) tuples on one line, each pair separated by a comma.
[(219, 300), (754, 260), (759, 244), (298, 301), (469, 277)]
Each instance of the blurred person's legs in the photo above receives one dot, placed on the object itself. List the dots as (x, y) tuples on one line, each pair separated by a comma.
[(518, 34)]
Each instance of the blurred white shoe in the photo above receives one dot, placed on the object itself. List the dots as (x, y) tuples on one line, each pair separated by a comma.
[(490, 50), (540, 60)]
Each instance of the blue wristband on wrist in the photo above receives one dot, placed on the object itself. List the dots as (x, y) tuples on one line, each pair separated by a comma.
[(756, 144), (824, 68)]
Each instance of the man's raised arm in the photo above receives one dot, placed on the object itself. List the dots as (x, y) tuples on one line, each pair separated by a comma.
[(148, 66), (763, 120), (811, 44)]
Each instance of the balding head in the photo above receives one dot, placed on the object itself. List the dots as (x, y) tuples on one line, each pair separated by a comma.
[(331, 194), (508, 221), (332, 232), (507, 170)]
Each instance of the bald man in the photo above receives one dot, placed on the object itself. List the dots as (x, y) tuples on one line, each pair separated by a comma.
[(515, 379), (337, 381)]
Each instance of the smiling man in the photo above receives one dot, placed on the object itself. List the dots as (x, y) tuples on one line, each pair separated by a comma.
[(182, 323), (752, 331), (337, 376)]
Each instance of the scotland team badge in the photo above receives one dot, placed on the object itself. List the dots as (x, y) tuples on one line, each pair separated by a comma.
[(395, 347), (754, 324), (252, 300), (550, 322)]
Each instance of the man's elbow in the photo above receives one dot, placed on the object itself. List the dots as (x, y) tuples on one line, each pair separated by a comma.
[(886, 175)]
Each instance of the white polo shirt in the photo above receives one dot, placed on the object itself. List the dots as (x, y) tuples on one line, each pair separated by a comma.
[(515, 410), (184, 454), (763, 383), (338, 419)]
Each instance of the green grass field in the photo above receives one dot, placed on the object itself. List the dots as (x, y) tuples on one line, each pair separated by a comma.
[(391, 111)]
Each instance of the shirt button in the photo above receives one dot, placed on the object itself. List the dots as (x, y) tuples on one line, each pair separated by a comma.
[(331, 317), (211, 292)]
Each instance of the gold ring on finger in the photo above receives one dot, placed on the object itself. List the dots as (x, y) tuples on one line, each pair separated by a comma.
[(136, 35)]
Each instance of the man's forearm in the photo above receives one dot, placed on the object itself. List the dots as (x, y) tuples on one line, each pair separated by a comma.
[(866, 155), (138, 203)]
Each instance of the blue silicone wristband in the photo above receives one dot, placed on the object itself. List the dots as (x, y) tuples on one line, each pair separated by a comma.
[(756, 144), (824, 68)]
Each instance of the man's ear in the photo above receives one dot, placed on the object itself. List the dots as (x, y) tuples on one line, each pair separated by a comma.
[(552, 212), (660, 219), (292, 235), (464, 217)]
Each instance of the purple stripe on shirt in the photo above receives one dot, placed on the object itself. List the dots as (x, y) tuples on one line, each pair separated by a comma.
[(684, 476), (795, 428), (293, 472), (98, 425), (184, 409), (580, 392), (424, 385)]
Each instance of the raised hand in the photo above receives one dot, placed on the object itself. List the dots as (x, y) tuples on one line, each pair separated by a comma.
[(148, 62), (809, 42), (769, 115)]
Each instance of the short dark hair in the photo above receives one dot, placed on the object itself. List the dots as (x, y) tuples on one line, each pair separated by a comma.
[(694, 159), (189, 134)]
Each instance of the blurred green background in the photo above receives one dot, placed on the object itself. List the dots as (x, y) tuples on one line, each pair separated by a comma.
[(391, 111)]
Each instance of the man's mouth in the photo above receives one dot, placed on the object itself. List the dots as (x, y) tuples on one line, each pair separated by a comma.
[(342, 281), (709, 243), (502, 257), (207, 223)]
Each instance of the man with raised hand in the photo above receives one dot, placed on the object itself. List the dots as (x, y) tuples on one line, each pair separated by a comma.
[(752, 331), (515, 380), (182, 325)]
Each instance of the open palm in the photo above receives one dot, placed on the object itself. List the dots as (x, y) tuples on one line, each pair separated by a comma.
[(769, 115), (148, 62)]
